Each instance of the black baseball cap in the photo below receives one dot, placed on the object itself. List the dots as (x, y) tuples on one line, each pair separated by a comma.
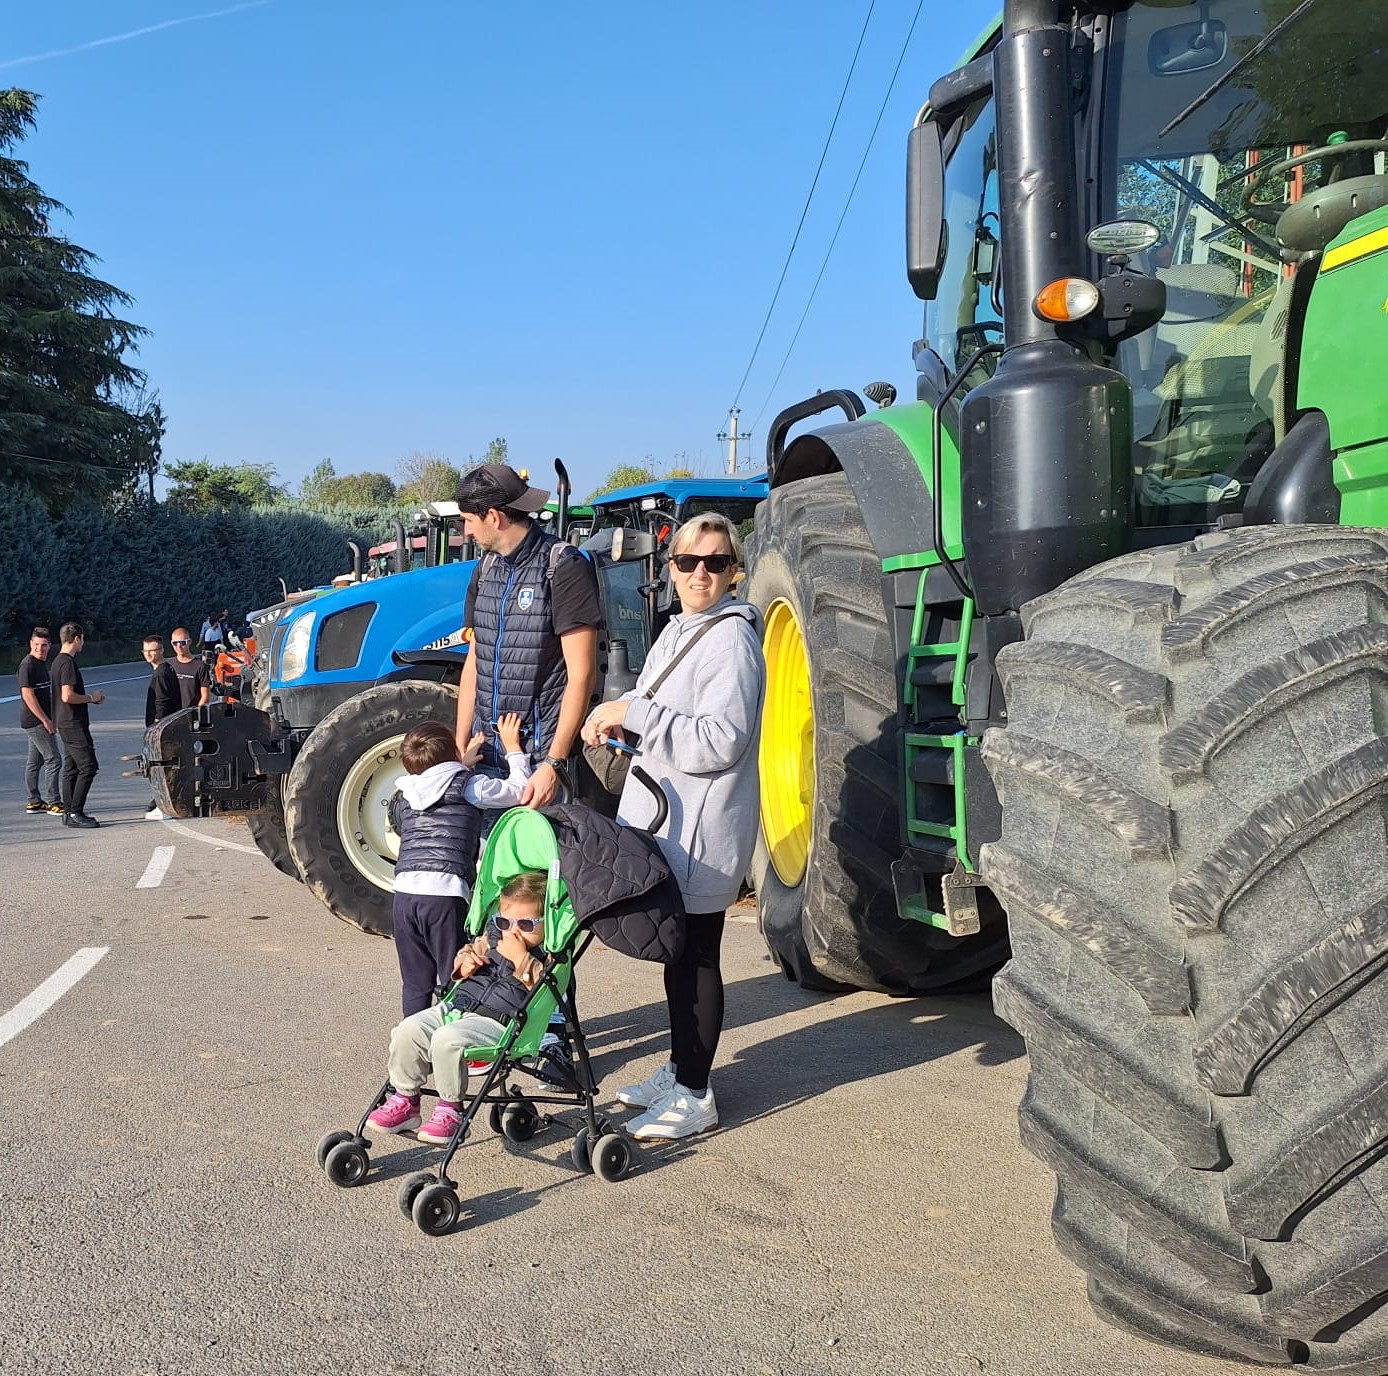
[(497, 485)]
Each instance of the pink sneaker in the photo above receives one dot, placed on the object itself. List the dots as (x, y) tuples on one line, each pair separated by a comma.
[(397, 1114), (442, 1124), (478, 1067)]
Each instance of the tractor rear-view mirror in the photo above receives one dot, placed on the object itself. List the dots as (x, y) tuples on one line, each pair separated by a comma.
[(1183, 48), (925, 209)]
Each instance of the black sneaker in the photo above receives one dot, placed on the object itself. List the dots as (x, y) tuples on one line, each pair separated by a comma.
[(80, 819), (554, 1064)]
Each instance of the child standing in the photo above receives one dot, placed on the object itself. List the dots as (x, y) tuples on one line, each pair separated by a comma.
[(496, 974), (439, 824)]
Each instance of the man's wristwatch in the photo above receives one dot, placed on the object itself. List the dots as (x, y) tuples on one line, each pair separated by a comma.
[(559, 766)]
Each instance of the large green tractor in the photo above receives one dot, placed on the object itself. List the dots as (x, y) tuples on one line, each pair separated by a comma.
[(1081, 656)]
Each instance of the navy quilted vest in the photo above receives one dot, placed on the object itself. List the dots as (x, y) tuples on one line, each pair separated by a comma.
[(443, 838), (520, 665)]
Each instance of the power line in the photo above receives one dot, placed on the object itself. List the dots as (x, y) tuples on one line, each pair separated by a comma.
[(872, 138), (139, 470), (852, 66)]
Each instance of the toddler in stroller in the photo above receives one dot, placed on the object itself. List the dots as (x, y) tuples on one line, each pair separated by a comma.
[(548, 882)]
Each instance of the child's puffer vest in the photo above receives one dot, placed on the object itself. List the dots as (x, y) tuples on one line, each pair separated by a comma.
[(494, 990), (442, 839), (520, 664)]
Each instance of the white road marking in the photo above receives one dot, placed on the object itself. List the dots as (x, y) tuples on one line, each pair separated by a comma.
[(210, 840), (130, 678), (48, 993), (157, 868)]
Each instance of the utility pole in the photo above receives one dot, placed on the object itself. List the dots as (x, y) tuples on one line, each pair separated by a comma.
[(732, 438)]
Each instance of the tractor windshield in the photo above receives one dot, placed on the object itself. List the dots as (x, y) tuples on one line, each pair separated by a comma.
[(1197, 128)]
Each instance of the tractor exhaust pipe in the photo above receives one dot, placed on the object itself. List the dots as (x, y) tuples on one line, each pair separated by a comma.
[(561, 491)]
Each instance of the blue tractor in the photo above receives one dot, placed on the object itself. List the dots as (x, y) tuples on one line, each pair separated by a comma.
[(341, 676)]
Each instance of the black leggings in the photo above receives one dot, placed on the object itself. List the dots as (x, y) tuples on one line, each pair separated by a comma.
[(694, 993)]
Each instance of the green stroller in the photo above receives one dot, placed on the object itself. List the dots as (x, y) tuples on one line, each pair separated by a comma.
[(604, 881)]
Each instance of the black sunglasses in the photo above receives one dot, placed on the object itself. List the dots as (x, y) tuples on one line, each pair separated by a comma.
[(521, 924), (714, 563)]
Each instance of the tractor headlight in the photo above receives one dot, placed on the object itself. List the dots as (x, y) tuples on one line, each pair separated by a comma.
[(294, 655)]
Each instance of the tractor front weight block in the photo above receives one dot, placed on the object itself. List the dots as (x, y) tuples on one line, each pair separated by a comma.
[(203, 761)]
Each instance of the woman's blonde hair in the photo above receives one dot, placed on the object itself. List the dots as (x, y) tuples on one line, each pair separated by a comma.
[(704, 523)]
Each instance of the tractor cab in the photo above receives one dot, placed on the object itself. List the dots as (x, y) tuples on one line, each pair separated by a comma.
[(632, 530), (1226, 147)]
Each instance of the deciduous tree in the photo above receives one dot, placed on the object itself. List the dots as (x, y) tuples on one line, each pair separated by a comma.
[(197, 485)]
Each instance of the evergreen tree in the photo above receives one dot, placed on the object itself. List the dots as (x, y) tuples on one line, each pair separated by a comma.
[(63, 376)]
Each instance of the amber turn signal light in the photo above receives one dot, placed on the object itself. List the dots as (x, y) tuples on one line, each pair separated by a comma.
[(1068, 298)]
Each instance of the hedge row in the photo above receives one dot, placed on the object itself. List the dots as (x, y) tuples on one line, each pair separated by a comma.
[(124, 574)]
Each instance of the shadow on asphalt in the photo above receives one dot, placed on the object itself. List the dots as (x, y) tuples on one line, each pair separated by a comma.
[(844, 1043)]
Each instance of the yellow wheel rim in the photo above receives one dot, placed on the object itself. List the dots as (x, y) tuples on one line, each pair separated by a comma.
[(787, 746)]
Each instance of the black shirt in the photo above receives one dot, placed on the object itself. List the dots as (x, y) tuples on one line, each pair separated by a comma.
[(64, 671), (573, 588), (192, 679), (33, 673), (162, 697)]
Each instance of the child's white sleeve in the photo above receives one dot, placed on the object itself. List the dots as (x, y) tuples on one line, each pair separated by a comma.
[(483, 791)]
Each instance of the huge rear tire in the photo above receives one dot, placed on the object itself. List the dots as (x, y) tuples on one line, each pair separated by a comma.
[(336, 797), (1194, 779), (830, 812)]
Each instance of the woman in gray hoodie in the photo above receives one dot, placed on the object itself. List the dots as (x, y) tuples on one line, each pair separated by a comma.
[(698, 740)]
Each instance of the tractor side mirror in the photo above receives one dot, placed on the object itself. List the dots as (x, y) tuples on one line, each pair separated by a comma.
[(628, 545), (925, 209)]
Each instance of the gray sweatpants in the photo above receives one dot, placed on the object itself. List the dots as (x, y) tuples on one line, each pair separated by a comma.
[(424, 1039)]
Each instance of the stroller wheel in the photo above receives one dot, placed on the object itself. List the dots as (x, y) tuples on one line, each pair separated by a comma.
[(579, 1153), (330, 1140), (409, 1190), (494, 1117), (519, 1122), (347, 1164), (612, 1157), (436, 1209)]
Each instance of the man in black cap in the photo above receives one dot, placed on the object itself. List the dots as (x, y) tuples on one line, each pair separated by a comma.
[(532, 615)]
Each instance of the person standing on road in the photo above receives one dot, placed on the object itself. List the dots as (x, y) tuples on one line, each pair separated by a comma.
[(213, 631), (162, 698), (698, 739), (194, 680), (36, 721), (532, 615), (70, 703)]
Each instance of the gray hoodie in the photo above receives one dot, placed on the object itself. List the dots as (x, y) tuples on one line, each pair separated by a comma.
[(699, 742)]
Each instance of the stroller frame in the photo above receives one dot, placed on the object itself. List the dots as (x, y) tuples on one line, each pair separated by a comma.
[(430, 1197)]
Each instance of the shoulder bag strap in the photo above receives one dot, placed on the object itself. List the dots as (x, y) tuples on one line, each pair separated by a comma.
[(693, 641)]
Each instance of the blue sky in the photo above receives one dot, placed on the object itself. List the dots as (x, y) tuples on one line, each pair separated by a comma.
[(356, 229)]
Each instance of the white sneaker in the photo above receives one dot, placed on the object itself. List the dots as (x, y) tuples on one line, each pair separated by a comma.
[(681, 1113), (648, 1091), (156, 814)]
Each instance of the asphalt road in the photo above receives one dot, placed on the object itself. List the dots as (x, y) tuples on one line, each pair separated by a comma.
[(866, 1206)]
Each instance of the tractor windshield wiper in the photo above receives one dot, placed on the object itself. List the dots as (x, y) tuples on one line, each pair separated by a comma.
[(1220, 82)]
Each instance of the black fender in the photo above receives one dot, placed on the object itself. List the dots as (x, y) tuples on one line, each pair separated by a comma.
[(429, 666), (891, 492)]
